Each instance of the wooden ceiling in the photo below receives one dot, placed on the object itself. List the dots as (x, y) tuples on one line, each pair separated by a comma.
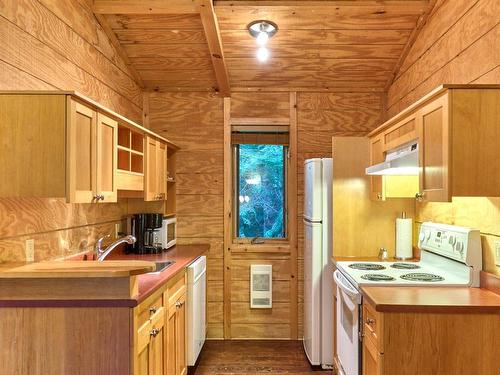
[(327, 45)]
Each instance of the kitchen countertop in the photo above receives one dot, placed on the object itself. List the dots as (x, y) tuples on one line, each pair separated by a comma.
[(85, 292), (183, 255)]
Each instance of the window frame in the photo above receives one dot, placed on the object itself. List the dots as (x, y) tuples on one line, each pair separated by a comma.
[(235, 198)]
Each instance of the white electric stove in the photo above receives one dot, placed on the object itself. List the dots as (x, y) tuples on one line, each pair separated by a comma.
[(450, 256)]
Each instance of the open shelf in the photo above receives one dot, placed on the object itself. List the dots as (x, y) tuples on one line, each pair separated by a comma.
[(171, 205), (130, 159)]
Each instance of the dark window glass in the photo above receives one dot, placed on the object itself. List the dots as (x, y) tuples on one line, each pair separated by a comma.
[(260, 193)]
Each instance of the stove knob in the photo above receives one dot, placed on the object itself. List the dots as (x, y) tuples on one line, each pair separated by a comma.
[(460, 248), (421, 237), (427, 235), (452, 240)]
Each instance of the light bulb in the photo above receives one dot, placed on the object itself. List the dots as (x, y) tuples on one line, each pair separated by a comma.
[(262, 38), (262, 54)]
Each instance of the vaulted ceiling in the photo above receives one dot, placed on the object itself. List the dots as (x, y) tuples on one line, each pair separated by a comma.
[(330, 45)]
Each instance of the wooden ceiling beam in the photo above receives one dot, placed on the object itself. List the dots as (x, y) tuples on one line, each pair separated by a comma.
[(145, 7), (321, 3), (212, 33)]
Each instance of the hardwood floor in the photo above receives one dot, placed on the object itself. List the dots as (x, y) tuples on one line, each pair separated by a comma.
[(254, 357)]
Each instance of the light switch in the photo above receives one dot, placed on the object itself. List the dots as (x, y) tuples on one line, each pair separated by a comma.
[(497, 253), (30, 250)]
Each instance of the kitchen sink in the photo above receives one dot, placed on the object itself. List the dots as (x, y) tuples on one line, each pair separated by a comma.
[(162, 266)]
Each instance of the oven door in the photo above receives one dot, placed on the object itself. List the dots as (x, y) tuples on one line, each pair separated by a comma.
[(347, 324)]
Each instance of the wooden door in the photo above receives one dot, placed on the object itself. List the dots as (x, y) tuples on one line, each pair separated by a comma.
[(161, 173), (81, 146), (434, 138), (376, 156), (150, 176), (106, 158), (181, 336), (372, 359), (170, 341)]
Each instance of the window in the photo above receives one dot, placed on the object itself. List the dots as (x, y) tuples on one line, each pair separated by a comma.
[(260, 190)]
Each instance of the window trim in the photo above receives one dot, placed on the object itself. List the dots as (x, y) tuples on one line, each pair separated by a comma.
[(235, 202)]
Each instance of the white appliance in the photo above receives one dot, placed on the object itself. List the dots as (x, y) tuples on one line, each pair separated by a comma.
[(450, 256), (401, 161), (196, 308), (318, 268), (169, 232)]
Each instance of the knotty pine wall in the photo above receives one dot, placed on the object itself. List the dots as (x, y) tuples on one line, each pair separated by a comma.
[(195, 122), (458, 44), (58, 45)]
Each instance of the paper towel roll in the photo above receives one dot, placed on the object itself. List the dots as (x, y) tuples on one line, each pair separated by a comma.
[(404, 238)]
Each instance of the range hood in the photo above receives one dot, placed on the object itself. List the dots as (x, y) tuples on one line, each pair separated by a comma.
[(402, 161)]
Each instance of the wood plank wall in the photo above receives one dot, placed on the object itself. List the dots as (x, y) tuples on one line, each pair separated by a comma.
[(459, 44), (195, 122), (52, 45)]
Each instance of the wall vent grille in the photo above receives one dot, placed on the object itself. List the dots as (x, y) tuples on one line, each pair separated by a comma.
[(261, 286)]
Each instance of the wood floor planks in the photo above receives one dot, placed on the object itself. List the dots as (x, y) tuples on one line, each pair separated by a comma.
[(254, 357)]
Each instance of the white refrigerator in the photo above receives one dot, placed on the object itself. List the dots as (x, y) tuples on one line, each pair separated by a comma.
[(318, 268)]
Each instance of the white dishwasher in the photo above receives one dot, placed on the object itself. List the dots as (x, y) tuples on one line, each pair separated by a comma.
[(196, 308)]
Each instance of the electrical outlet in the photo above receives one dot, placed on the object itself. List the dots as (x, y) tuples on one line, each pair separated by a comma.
[(497, 253), (30, 250)]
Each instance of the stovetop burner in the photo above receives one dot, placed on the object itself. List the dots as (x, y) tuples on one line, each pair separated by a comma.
[(425, 277), (377, 277), (367, 266), (405, 266)]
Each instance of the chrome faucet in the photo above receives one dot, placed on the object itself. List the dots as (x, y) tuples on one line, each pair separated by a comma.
[(101, 254)]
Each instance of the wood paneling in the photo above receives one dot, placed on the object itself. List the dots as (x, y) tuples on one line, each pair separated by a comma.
[(459, 44), (347, 44), (56, 44), (194, 122)]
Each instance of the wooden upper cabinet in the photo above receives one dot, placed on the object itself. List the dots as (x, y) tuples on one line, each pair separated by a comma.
[(434, 146), (457, 127), (155, 185), (92, 155)]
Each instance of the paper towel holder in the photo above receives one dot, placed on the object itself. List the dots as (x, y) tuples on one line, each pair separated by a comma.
[(407, 255)]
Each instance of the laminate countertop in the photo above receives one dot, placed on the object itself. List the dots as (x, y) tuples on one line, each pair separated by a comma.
[(182, 255), (431, 298), (70, 287)]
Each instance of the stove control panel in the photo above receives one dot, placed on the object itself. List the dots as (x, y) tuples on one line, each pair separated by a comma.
[(453, 242)]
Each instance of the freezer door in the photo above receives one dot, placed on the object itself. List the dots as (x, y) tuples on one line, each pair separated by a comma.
[(313, 190), (312, 291)]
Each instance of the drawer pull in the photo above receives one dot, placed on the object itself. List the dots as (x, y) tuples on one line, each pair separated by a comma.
[(154, 332), (152, 310), (179, 304), (370, 321)]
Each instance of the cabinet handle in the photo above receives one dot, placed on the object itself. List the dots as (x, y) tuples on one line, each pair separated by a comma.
[(419, 197), (99, 197), (379, 196), (179, 304), (154, 332), (370, 321), (152, 310)]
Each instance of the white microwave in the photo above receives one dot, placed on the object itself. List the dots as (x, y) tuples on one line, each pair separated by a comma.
[(169, 232)]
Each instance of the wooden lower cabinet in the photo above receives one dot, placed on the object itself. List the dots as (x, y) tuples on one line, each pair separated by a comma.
[(438, 342), (160, 347)]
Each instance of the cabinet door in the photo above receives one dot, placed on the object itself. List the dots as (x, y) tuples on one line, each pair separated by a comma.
[(106, 157), (162, 170), (181, 336), (143, 352), (81, 145), (372, 359), (376, 156), (171, 334), (434, 150), (151, 178), (156, 352)]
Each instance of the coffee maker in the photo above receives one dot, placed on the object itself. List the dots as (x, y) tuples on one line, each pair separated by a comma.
[(147, 230)]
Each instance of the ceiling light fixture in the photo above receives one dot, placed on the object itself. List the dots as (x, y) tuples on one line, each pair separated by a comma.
[(262, 30)]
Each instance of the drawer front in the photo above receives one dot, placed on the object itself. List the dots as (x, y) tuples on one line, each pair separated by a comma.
[(372, 326), (176, 289), (146, 311)]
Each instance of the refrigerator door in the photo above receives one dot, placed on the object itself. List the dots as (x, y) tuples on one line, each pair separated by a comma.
[(312, 290), (313, 190)]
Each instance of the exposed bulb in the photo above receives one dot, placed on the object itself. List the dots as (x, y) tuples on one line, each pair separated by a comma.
[(262, 54), (262, 38)]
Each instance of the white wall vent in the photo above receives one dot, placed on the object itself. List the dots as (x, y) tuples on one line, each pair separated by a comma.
[(261, 286)]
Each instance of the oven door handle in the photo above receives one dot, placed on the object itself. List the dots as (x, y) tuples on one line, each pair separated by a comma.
[(351, 292)]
